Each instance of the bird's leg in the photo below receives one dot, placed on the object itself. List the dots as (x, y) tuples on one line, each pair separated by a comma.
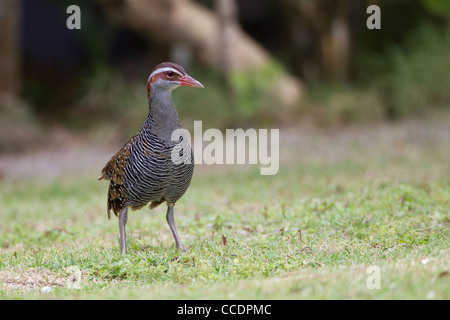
[(123, 217), (171, 222)]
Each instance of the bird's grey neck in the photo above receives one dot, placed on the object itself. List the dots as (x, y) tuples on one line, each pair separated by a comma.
[(163, 117)]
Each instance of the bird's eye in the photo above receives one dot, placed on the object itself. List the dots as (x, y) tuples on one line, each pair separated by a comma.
[(170, 74)]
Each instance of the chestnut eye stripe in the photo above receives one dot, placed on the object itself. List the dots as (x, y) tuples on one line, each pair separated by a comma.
[(165, 69)]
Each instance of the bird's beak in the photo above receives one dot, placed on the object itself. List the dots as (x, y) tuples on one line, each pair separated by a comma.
[(190, 82)]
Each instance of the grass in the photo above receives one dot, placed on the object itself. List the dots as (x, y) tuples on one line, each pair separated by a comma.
[(354, 200)]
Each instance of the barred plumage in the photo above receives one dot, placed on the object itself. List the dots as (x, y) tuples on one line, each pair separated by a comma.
[(150, 174), (142, 171)]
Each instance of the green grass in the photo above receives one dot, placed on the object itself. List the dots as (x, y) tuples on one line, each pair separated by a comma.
[(309, 232)]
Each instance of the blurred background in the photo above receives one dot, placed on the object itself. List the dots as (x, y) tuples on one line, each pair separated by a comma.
[(264, 63)]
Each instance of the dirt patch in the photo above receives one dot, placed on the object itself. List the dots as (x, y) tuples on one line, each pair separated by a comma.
[(33, 279), (29, 279)]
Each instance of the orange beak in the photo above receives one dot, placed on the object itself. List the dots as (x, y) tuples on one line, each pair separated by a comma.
[(190, 82)]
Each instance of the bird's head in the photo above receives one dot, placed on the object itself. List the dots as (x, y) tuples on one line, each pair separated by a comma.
[(168, 76)]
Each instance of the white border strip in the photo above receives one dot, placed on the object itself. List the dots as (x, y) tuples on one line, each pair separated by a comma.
[(165, 69)]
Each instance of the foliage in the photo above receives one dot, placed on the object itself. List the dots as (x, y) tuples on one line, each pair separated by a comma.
[(253, 89), (438, 7), (419, 74)]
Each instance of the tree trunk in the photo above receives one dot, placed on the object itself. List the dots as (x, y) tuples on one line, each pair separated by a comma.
[(320, 38), (9, 49), (227, 12)]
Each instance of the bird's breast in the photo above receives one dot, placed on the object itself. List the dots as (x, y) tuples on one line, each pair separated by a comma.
[(152, 175)]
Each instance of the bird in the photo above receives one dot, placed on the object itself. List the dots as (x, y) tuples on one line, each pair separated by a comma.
[(143, 172)]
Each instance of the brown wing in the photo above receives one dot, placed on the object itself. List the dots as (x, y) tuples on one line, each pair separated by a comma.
[(114, 171)]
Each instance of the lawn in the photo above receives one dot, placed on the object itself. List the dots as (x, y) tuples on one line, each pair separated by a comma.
[(353, 213)]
